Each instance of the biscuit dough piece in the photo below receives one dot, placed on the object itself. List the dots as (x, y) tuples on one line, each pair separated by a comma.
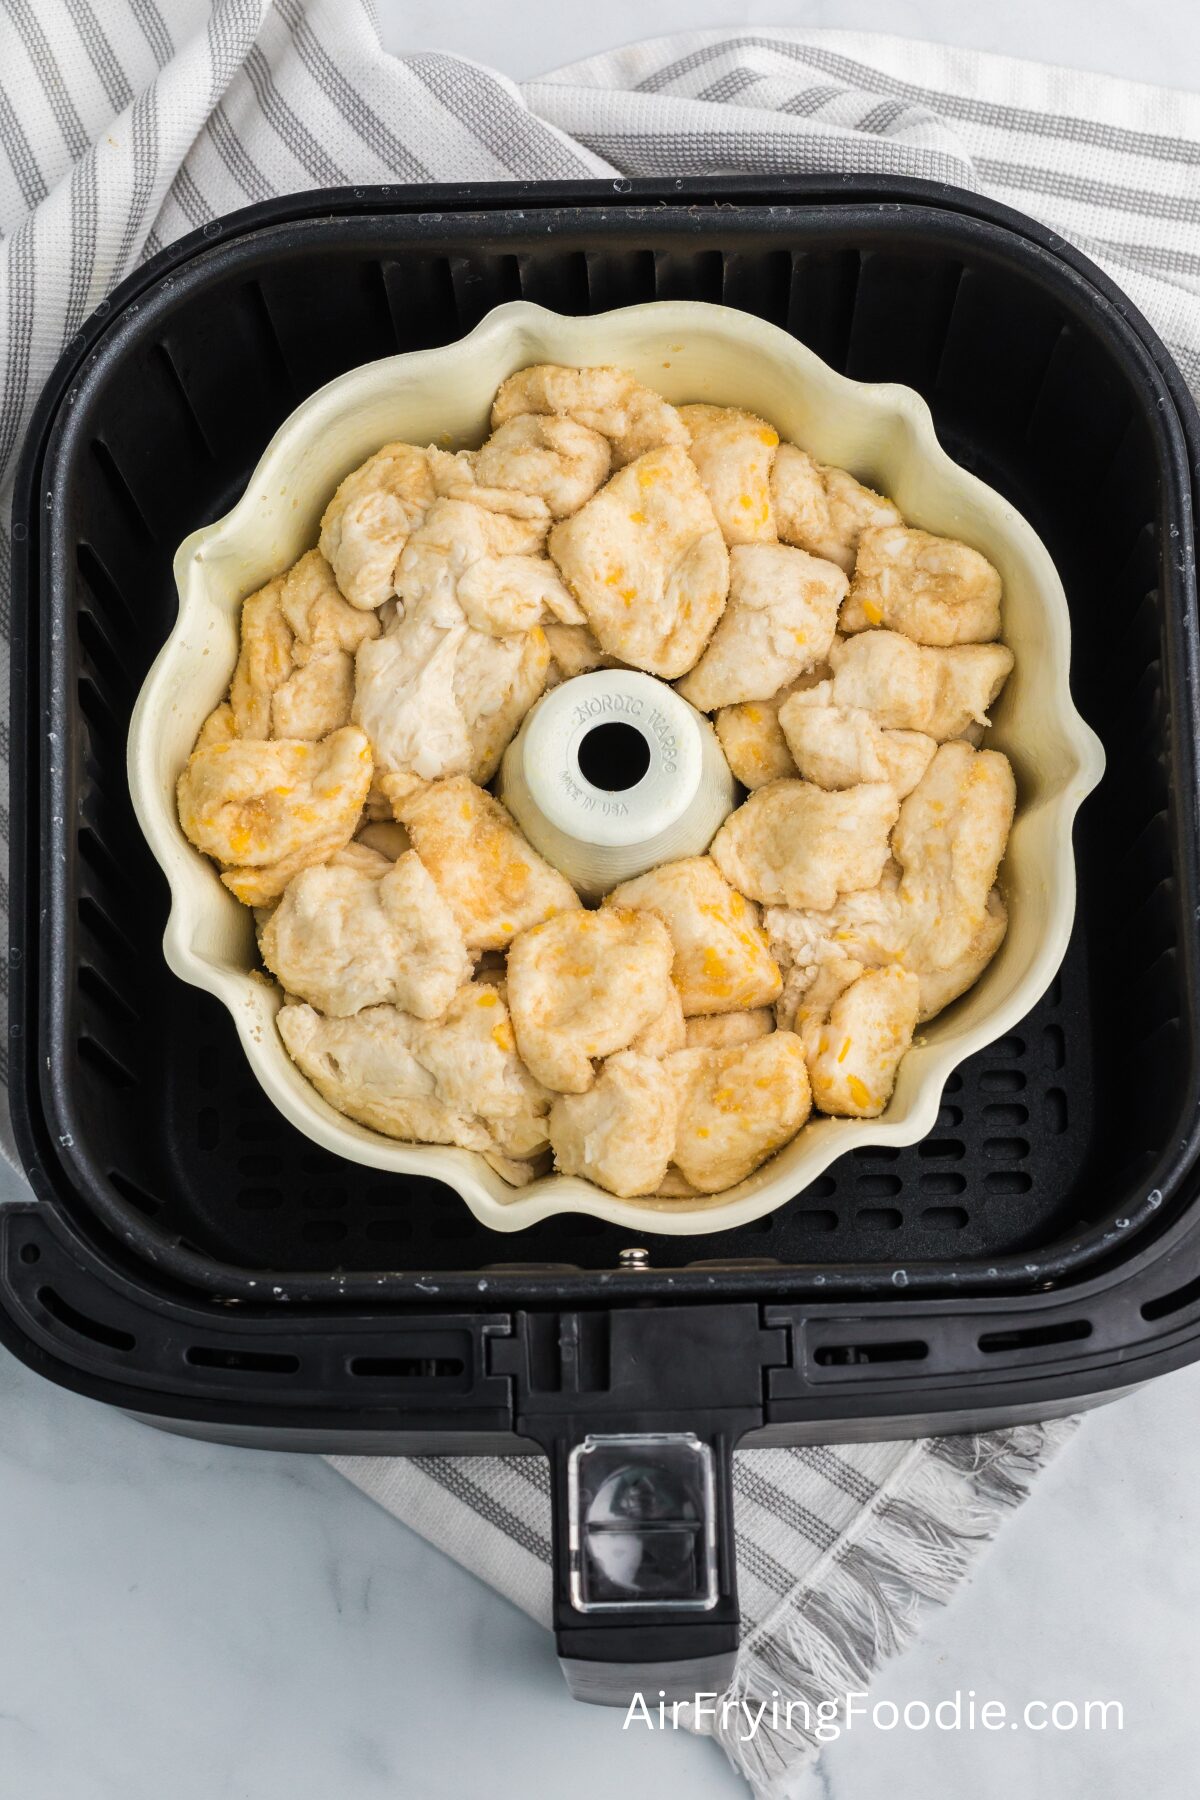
[(667, 1032), (722, 963), (370, 518), (936, 909), (320, 618), (471, 1053), (573, 651), (266, 810), (218, 728), (455, 1080), (487, 567), (362, 931), (554, 457), (647, 563), (857, 1025), (824, 510), (621, 1132), (317, 698), (607, 400), (455, 478), (944, 982), (295, 671), (917, 687), (733, 452), (264, 660), (949, 841), (752, 737), (793, 844), (584, 985), (737, 1106), (496, 681), (933, 589), (753, 741), (439, 699), (779, 621), (719, 1029), (838, 746), (495, 884)]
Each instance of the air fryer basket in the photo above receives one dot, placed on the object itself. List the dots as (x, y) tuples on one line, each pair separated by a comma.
[(1038, 1248)]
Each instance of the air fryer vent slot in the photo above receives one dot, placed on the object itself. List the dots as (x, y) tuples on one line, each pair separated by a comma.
[(407, 1368), (1174, 1302), (110, 1336), (1034, 1337), (841, 1356), (248, 1362)]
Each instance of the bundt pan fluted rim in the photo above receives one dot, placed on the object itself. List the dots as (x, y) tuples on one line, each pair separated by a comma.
[(687, 350)]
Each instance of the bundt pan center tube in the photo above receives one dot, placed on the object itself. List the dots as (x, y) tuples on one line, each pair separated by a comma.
[(613, 773)]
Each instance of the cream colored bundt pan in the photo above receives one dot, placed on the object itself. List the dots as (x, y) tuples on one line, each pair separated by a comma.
[(687, 351)]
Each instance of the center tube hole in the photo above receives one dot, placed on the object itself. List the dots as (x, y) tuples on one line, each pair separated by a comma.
[(614, 756)]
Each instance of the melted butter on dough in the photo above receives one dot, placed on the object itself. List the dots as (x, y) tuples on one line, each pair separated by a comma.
[(738, 1104), (647, 563), (265, 810), (779, 622), (494, 882), (621, 1132), (584, 985), (722, 963), (733, 452)]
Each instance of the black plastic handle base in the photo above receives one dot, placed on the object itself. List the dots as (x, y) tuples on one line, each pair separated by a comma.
[(645, 1578)]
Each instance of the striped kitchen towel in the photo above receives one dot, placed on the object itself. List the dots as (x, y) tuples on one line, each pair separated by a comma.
[(124, 123)]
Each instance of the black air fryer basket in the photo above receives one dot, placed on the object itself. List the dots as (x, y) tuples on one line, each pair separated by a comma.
[(193, 1259)]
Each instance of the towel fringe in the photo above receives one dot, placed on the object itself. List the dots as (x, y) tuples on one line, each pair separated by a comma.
[(909, 1549)]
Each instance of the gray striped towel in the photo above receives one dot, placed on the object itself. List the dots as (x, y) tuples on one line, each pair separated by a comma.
[(124, 123)]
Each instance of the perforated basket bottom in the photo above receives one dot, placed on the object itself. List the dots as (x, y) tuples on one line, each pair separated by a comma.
[(962, 1191)]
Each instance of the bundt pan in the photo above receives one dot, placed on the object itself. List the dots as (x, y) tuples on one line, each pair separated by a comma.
[(688, 351)]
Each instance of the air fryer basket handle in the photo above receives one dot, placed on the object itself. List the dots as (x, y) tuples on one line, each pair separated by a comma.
[(645, 1591), (639, 1411)]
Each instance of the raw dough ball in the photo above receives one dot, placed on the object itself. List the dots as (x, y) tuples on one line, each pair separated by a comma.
[(824, 510), (266, 810), (368, 521), (915, 687), (721, 959), (647, 563), (362, 931), (933, 589), (733, 452), (495, 883), (737, 1106), (620, 1134), (793, 844), (779, 621), (610, 401), (583, 985)]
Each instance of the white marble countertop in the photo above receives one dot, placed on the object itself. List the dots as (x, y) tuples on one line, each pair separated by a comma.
[(186, 1620)]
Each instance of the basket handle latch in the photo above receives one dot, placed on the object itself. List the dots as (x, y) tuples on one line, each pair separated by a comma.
[(639, 1411)]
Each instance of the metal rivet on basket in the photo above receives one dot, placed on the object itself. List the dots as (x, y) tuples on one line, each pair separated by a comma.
[(633, 1259)]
